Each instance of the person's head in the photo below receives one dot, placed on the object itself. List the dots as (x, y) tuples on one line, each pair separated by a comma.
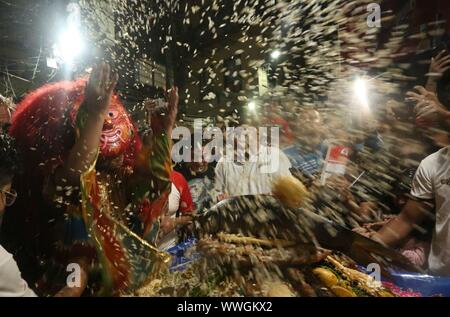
[(47, 120), (309, 126), (117, 137), (8, 166), (246, 141), (197, 151)]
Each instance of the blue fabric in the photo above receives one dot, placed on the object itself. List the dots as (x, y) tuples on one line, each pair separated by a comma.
[(200, 191), (373, 141), (75, 230), (426, 284), (181, 256), (307, 162)]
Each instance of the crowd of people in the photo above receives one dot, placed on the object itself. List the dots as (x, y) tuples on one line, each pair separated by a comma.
[(85, 185)]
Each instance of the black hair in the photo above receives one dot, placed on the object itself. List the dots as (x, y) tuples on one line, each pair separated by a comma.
[(9, 158)]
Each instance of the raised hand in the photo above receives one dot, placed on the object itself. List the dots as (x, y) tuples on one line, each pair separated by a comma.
[(99, 88), (90, 119), (439, 65), (428, 108), (172, 109), (420, 94)]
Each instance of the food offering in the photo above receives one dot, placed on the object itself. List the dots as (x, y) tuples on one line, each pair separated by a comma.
[(343, 281), (306, 269), (236, 265)]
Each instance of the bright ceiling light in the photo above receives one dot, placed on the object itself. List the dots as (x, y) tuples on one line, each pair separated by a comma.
[(251, 106), (69, 44), (275, 54), (361, 93)]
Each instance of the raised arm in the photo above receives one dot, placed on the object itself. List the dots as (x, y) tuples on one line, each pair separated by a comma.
[(155, 157), (90, 120), (428, 108), (438, 66), (394, 232), (150, 183), (415, 210)]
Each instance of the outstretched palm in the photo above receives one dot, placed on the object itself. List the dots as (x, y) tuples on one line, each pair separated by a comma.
[(100, 88), (173, 100), (428, 106), (439, 65)]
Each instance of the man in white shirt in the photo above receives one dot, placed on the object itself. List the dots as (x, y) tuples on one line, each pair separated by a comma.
[(253, 174), (431, 183), (11, 282)]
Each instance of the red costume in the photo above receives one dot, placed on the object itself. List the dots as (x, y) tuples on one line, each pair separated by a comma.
[(111, 219)]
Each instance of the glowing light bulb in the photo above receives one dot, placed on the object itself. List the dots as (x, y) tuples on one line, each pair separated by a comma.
[(275, 54), (360, 90)]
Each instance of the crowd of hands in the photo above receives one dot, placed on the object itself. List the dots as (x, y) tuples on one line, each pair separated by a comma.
[(430, 113), (428, 108), (100, 89)]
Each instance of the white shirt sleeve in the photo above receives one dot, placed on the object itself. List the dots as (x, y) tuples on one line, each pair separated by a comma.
[(422, 184), (11, 282), (174, 200), (219, 179), (285, 164)]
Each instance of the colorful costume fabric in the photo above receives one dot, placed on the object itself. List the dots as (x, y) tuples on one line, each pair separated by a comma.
[(112, 218)]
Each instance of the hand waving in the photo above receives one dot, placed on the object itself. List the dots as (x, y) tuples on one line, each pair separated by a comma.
[(100, 87), (172, 108), (428, 108), (439, 65)]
